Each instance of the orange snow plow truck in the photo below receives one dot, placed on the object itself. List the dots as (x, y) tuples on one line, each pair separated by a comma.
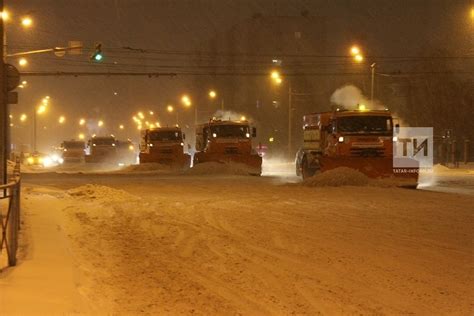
[(358, 139), (164, 145), (227, 141)]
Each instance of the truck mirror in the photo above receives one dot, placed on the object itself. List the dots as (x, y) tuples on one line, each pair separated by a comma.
[(254, 132), (184, 136), (397, 128)]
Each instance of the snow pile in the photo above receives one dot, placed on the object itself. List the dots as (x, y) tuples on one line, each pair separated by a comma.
[(341, 176), (99, 192), (145, 167), (229, 168), (392, 182)]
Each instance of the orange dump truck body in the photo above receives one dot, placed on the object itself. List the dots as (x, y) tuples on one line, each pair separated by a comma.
[(164, 145), (227, 141), (361, 140)]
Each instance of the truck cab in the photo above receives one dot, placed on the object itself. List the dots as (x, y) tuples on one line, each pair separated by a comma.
[(164, 145), (72, 151), (359, 139), (227, 141), (101, 149)]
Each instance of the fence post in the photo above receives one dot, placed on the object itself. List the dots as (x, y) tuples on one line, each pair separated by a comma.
[(12, 227)]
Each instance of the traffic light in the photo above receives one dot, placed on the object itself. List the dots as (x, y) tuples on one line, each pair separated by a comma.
[(97, 56)]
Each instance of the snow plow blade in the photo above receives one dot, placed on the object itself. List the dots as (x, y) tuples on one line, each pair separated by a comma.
[(253, 162), (373, 167), (178, 161)]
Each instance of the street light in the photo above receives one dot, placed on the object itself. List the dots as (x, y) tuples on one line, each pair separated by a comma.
[(40, 109), (22, 62), (82, 122), (359, 58), (100, 123), (4, 15), (62, 119), (81, 136), (170, 108), (213, 95), (355, 50), (186, 100), (23, 117), (277, 79), (121, 126), (26, 21)]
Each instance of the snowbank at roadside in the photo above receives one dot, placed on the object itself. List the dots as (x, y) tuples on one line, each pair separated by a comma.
[(145, 167), (100, 193), (342, 176), (215, 168)]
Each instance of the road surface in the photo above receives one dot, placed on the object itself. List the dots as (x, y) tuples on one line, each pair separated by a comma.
[(168, 244)]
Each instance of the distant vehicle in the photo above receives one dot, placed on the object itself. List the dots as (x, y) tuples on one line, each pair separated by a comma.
[(227, 141), (126, 152), (359, 139), (101, 149), (72, 151), (164, 145), (37, 159)]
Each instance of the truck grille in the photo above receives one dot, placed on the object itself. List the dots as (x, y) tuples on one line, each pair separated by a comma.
[(367, 152), (166, 151), (231, 150)]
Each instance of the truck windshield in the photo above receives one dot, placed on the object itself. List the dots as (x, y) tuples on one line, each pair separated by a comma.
[(73, 145), (364, 124), (163, 136), (229, 131), (103, 141)]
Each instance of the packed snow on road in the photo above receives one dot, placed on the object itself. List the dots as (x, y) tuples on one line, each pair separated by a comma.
[(231, 244)]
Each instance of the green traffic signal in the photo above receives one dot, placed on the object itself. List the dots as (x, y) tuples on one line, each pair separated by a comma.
[(97, 55)]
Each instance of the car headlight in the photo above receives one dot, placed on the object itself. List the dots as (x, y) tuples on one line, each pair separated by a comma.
[(395, 139)]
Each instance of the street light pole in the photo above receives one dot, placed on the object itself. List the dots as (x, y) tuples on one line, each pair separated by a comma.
[(3, 103), (34, 129), (372, 81), (290, 110)]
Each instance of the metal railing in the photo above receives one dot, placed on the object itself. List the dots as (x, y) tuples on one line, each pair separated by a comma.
[(10, 216)]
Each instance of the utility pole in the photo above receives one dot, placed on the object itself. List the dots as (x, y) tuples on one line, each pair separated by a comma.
[(35, 135), (3, 104), (290, 110), (372, 82)]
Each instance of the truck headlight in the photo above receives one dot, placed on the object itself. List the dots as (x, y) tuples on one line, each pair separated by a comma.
[(395, 139), (214, 135), (341, 139)]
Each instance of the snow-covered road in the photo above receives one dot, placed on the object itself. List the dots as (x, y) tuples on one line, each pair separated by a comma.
[(148, 244)]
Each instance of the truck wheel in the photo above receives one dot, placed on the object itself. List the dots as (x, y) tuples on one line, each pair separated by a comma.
[(306, 171)]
